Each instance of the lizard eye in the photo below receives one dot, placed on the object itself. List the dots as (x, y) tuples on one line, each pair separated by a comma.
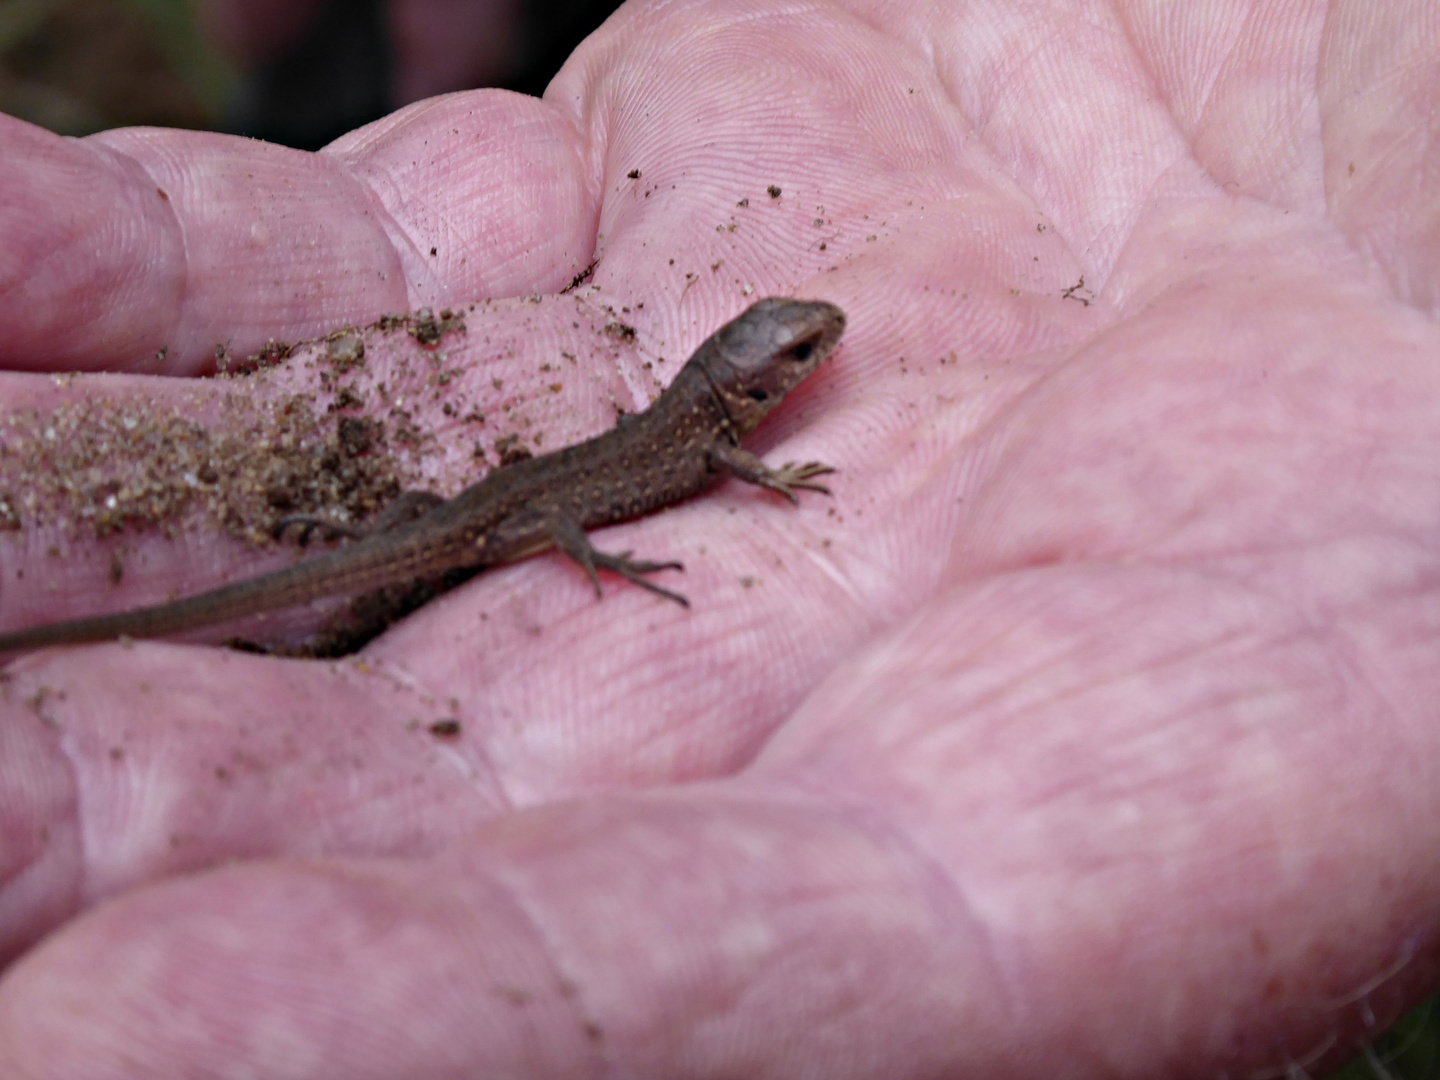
[(803, 350), (757, 395)]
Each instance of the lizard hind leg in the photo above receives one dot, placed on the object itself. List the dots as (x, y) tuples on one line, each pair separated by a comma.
[(403, 509), (570, 538)]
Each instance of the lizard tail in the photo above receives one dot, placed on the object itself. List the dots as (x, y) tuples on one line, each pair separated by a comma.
[(349, 570)]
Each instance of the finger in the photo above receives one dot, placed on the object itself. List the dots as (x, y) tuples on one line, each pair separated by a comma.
[(662, 936), (233, 243), (239, 756)]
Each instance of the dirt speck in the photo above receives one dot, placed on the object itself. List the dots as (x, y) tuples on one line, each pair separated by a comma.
[(100, 466), (427, 328), (344, 352)]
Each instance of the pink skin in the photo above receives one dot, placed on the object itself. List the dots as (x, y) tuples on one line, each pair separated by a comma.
[(1091, 729)]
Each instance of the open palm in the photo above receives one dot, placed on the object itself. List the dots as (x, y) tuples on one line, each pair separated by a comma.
[(1090, 728)]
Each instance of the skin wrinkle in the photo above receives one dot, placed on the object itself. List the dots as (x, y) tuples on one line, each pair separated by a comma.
[(571, 988), (778, 544), (420, 277), (1076, 690), (633, 365), (798, 791), (1322, 627), (61, 847), (100, 151), (574, 987), (177, 226), (1356, 673), (477, 757), (827, 567), (83, 822), (1108, 253), (946, 894), (421, 280)]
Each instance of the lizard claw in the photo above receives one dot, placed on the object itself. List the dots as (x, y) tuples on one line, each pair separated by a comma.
[(791, 476)]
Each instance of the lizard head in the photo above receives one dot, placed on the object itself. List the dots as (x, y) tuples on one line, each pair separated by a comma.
[(759, 357)]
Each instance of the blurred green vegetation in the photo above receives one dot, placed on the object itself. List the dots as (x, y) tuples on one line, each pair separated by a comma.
[(21, 17), (1409, 1050), (78, 66), (176, 33)]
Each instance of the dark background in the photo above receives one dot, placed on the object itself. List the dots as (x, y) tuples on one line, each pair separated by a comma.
[(79, 66)]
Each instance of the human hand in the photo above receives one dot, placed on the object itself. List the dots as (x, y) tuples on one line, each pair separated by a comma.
[(1091, 734)]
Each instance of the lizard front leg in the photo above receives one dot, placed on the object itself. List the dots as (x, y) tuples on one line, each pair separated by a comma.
[(727, 457)]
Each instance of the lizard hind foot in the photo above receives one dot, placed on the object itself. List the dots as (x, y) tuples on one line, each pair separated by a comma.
[(570, 538), (309, 524), (633, 569), (403, 509)]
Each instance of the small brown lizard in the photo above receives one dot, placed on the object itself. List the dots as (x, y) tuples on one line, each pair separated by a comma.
[(685, 441)]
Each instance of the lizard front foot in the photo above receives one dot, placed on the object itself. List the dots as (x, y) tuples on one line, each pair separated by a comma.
[(791, 476), (784, 480), (632, 569)]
